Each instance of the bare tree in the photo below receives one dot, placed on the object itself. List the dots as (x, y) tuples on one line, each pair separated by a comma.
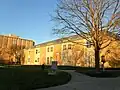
[(112, 55), (77, 55), (73, 56), (17, 52), (89, 19)]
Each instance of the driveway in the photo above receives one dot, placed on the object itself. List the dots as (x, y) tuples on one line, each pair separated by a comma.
[(83, 82)]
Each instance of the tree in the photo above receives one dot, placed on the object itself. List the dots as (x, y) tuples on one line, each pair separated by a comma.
[(3, 55), (90, 19), (112, 55), (17, 52), (77, 55), (73, 56)]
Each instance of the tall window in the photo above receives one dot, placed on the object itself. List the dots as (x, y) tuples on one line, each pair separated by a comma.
[(69, 46), (47, 60), (64, 47), (51, 49), (48, 49)]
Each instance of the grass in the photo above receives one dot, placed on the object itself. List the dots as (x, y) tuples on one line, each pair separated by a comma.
[(29, 78)]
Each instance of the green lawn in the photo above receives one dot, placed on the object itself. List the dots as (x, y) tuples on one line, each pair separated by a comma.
[(26, 78)]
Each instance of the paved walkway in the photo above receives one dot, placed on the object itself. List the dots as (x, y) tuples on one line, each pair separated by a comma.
[(82, 82)]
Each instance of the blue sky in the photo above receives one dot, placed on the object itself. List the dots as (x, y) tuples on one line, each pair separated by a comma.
[(28, 19)]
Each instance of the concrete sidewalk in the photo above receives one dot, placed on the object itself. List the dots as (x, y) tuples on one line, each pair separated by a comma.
[(83, 82)]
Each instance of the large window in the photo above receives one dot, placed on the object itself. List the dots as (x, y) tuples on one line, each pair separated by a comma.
[(64, 47)]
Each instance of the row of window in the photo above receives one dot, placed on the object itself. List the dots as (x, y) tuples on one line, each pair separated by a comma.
[(50, 49), (37, 51), (65, 47), (37, 60)]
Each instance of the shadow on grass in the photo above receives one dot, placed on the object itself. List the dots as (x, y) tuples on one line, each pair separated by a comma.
[(23, 78)]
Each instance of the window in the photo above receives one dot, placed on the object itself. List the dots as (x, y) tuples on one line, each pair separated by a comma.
[(28, 59), (14, 41), (33, 43), (69, 46), (38, 59), (64, 47), (51, 49), (47, 60), (36, 51), (48, 49), (51, 58)]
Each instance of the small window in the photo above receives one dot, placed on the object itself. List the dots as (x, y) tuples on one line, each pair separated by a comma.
[(64, 47), (51, 49), (69, 46), (47, 60), (28, 59), (48, 49)]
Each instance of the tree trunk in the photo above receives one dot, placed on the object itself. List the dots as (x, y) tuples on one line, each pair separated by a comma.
[(97, 59)]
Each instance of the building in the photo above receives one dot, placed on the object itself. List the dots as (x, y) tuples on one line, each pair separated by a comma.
[(7, 41), (67, 51), (60, 50)]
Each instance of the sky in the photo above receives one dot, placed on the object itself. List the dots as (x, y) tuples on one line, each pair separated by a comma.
[(29, 19)]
